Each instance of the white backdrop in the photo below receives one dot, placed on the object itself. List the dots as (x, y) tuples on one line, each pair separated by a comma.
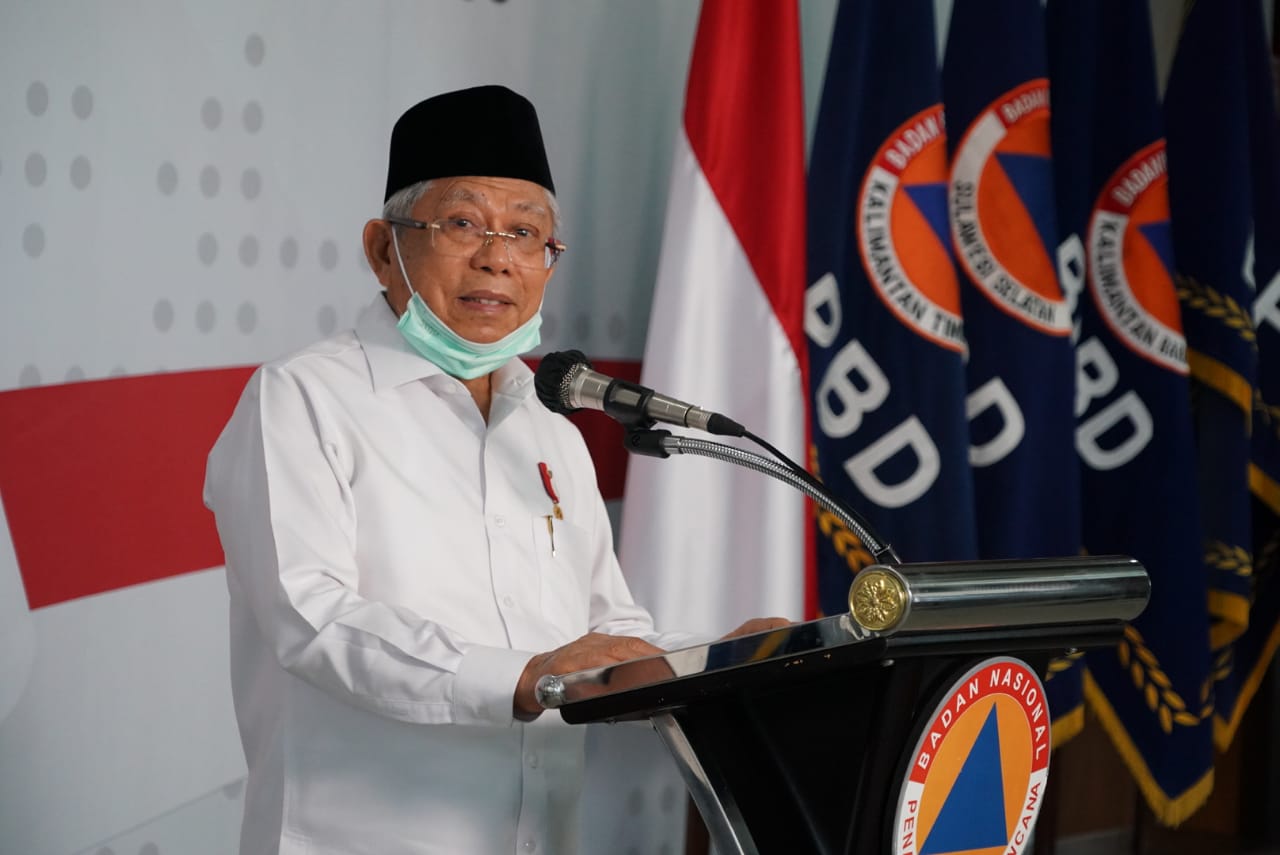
[(184, 186)]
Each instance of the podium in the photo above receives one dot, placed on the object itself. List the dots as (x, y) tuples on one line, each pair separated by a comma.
[(803, 739)]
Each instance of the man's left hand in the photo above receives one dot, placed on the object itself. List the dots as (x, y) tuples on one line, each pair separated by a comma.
[(760, 624)]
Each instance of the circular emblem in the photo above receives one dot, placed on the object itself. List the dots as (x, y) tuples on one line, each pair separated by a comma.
[(975, 780), (1131, 260), (877, 599), (902, 230), (1001, 201)]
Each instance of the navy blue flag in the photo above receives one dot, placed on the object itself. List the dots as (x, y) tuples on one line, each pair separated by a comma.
[(886, 340), (1224, 192), (1021, 368), (1259, 643), (1133, 421)]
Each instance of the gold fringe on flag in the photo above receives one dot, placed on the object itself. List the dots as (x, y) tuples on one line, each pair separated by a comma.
[(1170, 809)]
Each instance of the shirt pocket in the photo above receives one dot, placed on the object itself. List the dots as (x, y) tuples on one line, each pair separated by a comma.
[(564, 560)]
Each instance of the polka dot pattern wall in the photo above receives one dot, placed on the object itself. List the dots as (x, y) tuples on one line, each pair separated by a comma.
[(184, 188), (203, 202)]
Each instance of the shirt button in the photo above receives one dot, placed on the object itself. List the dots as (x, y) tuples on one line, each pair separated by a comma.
[(499, 521), (508, 602), (530, 845), (532, 760)]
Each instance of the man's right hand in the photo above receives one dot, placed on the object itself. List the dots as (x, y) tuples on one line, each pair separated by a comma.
[(590, 651)]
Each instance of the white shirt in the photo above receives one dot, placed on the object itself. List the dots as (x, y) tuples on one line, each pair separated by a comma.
[(391, 573)]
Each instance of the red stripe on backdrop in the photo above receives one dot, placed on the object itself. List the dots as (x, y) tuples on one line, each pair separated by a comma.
[(101, 481), (745, 66)]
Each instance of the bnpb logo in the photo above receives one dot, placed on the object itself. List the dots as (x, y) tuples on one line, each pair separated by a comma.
[(902, 230), (1130, 252), (1001, 200), (976, 779)]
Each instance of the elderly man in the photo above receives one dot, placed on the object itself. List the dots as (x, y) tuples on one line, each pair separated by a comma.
[(412, 540)]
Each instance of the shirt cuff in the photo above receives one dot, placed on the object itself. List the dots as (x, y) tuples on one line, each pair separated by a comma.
[(485, 685)]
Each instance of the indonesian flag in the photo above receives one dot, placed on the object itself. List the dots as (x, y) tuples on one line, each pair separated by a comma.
[(706, 545)]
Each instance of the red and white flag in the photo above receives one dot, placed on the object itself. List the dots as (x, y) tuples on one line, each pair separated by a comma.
[(706, 545)]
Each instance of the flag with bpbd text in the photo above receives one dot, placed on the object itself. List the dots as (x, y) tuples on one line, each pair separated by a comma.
[(706, 545), (1021, 369), (883, 316), (1224, 192), (1132, 409)]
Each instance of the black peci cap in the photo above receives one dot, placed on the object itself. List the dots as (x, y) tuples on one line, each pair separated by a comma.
[(486, 130)]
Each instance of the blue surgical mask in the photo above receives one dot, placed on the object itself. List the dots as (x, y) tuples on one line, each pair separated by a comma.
[(461, 357)]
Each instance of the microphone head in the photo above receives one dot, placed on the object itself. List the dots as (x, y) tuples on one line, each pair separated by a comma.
[(555, 373)]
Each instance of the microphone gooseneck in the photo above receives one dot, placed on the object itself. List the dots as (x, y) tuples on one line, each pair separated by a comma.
[(566, 382)]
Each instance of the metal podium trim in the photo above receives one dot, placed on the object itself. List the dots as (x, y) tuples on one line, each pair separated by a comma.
[(961, 596), (725, 823)]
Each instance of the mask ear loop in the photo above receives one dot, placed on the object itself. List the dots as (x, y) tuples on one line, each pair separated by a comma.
[(395, 243)]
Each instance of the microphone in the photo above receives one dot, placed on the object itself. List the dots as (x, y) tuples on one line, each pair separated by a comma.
[(565, 382)]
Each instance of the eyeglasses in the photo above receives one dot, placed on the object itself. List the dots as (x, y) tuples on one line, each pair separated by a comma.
[(460, 237)]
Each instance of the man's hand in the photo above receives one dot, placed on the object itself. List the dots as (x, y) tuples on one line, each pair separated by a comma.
[(590, 651), (760, 624)]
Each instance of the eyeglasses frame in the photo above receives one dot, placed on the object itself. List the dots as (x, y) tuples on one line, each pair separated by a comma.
[(555, 246)]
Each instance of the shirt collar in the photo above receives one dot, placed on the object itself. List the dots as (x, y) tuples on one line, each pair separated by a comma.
[(392, 362)]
